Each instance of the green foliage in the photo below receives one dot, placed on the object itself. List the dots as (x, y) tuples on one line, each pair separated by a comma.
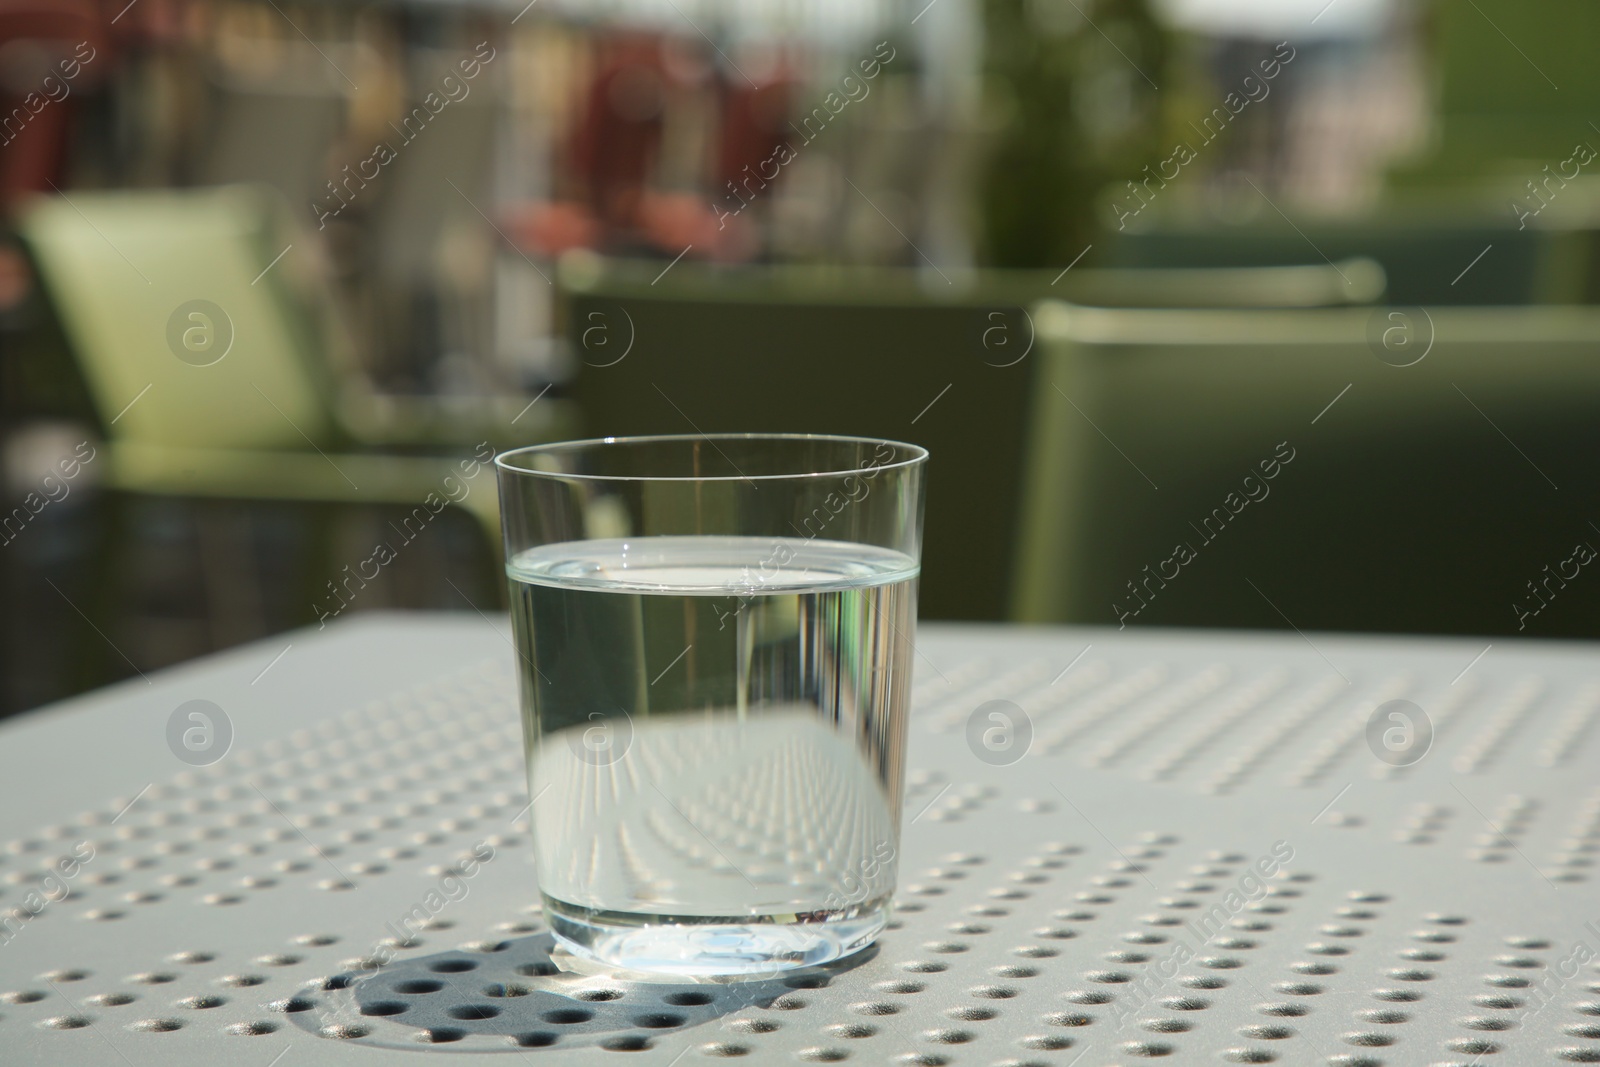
[(1071, 91)]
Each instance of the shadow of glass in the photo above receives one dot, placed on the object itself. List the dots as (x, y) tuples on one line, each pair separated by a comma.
[(519, 995)]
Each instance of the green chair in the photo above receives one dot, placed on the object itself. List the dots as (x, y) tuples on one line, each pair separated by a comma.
[(214, 358), (1433, 249), (1432, 497), (890, 353), (1512, 85), (203, 329), (1354, 280)]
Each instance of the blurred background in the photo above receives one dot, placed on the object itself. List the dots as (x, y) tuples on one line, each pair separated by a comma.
[(1211, 312)]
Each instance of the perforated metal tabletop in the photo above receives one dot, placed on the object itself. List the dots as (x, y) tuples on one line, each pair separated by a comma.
[(355, 875)]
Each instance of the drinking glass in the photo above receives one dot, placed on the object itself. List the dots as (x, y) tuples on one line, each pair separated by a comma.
[(714, 645)]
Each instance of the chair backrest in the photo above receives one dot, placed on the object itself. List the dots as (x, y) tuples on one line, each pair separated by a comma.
[(186, 330), (1425, 243), (1177, 457), (1354, 280), (871, 352)]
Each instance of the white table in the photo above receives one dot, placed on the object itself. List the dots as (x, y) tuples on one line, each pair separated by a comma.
[(1051, 909)]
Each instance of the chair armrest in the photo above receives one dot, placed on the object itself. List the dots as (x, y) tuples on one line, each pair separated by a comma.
[(431, 483), (500, 422)]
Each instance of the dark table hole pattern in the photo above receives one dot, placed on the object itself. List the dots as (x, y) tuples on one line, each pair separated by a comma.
[(437, 975), (1082, 918), (625, 1042), (513, 993)]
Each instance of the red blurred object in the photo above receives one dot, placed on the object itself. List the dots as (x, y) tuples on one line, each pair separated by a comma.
[(754, 122), (618, 139), (551, 229), (16, 278), (49, 50), (676, 221), (669, 223), (616, 146)]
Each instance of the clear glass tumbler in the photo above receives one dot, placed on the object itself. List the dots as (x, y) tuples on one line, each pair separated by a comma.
[(714, 640)]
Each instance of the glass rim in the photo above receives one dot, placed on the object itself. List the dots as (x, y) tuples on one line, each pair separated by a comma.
[(505, 460)]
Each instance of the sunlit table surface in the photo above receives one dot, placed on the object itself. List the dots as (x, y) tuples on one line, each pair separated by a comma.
[(1198, 847)]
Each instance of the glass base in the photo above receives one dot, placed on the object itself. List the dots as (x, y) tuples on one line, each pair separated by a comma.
[(713, 946)]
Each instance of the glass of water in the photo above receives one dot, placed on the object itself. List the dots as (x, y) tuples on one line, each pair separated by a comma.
[(714, 642)]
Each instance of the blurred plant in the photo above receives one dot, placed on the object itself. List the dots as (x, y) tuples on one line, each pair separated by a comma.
[(1072, 88)]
